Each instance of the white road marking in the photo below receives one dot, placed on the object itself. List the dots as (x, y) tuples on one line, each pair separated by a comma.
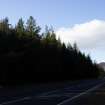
[(25, 98), (14, 101), (47, 93), (56, 96), (83, 93)]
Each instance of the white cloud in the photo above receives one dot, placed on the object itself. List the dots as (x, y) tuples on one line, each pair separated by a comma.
[(88, 35)]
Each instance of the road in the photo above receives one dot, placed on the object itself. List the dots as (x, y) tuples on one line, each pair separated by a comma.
[(83, 92)]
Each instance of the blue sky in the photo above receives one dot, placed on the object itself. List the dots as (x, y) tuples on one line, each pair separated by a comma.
[(58, 13), (55, 12)]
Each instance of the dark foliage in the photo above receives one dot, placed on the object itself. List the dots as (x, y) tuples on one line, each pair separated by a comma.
[(28, 57)]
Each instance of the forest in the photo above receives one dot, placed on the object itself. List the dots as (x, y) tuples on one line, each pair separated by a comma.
[(29, 56)]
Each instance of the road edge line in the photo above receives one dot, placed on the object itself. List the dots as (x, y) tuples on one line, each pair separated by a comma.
[(14, 101), (83, 93)]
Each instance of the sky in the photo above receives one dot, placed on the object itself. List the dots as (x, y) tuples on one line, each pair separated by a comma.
[(80, 21)]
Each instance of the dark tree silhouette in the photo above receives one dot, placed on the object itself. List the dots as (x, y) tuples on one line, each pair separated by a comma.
[(32, 29), (26, 56), (20, 28)]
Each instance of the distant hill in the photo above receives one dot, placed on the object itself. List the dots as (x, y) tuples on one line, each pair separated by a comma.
[(102, 64)]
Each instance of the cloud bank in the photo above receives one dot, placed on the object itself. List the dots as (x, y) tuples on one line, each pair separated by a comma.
[(88, 35)]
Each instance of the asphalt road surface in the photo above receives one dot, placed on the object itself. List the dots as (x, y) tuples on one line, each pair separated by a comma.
[(83, 92)]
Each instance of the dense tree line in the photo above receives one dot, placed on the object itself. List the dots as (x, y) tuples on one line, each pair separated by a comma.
[(28, 56)]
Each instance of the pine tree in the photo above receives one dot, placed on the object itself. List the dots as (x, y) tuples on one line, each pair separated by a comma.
[(20, 27), (59, 42), (50, 35), (75, 47), (69, 47), (4, 25), (32, 28)]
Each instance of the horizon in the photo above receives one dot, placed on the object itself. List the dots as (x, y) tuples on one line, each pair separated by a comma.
[(77, 21)]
